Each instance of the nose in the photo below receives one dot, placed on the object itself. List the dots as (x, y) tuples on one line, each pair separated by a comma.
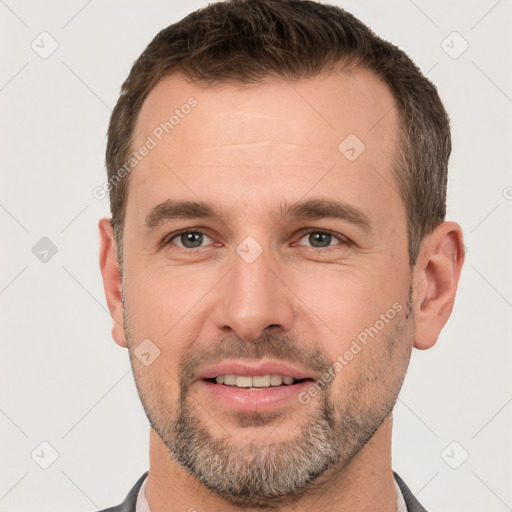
[(253, 298)]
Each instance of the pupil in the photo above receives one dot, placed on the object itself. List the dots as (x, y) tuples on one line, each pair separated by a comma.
[(317, 239), (191, 239)]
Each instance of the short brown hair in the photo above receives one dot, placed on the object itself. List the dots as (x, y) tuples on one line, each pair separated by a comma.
[(241, 41)]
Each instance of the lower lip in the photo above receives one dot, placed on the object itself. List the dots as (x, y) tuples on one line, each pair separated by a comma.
[(255, 400)]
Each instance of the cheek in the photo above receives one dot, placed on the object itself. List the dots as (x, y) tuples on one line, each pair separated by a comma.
[(372, 367), (163, 300), (362, 319), (158, 389), (348, 301)]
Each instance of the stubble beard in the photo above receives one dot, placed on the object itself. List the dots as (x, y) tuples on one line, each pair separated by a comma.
[(261, 473)]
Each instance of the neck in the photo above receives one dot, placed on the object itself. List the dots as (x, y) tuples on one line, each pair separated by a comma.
[(365, 484)]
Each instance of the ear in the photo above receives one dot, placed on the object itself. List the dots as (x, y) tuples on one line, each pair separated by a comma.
[(436, 276), (111, 280)]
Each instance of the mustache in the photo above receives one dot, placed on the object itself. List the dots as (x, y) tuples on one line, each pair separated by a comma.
[(281, 348)]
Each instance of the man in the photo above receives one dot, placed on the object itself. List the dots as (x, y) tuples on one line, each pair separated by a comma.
[(277, 247)]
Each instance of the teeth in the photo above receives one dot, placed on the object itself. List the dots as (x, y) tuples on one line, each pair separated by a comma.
[(243, 382), (258, 381), (229, 380), (276, 380), (261, 381)]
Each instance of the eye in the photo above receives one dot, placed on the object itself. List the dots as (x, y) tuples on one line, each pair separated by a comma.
[(189, 239), (321, 239)]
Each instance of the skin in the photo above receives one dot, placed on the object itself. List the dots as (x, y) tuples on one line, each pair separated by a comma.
[(247, 149)]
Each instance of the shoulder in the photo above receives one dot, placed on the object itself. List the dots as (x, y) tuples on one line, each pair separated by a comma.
[(413, 505), (130, 501)]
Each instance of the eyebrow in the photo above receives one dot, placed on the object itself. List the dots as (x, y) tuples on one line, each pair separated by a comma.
[(313, 209), (170, 210)]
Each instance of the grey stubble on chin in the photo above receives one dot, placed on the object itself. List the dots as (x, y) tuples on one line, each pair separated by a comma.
[(257, 474), (262, 473)]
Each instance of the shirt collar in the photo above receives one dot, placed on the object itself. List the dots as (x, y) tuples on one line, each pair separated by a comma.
[(143, 505)]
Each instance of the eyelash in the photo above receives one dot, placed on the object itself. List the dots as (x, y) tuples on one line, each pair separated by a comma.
[(341, 239), (170, 238)]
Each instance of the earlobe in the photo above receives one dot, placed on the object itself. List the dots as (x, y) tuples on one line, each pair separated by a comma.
[(436, 276), (112, 280)]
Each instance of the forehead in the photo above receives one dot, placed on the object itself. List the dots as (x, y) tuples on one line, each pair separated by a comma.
[(327, 106), (279, 133)]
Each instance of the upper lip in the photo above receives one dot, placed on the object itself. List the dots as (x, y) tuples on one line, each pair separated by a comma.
[(261, 368)]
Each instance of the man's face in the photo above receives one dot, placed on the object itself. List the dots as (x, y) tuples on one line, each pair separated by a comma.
[(252, 285)]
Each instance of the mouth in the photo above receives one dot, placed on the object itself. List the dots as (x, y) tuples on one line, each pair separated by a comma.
[(248, 386), (255, 382)]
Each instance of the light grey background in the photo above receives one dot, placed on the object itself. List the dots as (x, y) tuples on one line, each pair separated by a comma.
[(63, 379)]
